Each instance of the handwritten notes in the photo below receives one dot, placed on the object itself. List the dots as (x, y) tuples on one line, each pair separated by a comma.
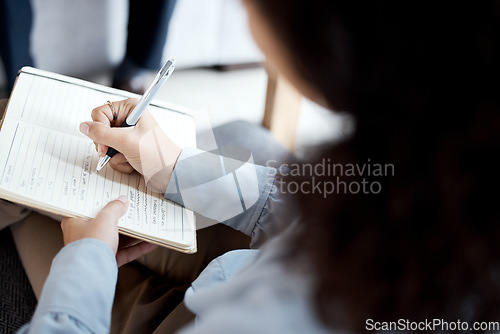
[(46, 159)]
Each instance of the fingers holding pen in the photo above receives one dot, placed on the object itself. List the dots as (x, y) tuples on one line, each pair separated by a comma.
[(104, 114), (120, 163), (111, 114), (119, 138), (125, 140)]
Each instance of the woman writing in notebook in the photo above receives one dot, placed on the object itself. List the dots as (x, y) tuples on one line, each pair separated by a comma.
[(421, 244)]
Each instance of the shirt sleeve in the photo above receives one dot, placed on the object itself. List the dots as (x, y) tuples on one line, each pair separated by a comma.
[(233, 191), (78, 294)]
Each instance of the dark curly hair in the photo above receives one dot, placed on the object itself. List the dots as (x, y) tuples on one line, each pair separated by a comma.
[(422, 82)]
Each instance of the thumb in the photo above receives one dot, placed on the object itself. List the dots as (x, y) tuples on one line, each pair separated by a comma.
[(112, 211), (103, 134)]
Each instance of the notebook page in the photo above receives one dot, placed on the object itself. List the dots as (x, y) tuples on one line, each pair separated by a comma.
[(49, 161)]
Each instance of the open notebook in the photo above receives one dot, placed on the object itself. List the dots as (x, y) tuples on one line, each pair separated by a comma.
[(46, 163)]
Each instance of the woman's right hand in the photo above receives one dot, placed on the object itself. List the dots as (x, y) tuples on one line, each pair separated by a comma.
[(144, 147)]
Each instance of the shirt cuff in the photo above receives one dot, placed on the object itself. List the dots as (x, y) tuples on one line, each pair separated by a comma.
[(228, 190)]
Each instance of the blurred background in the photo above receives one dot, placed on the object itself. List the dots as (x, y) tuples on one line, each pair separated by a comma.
[(219, 67)]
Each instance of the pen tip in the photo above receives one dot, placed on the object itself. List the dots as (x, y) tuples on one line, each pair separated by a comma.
[(102, 162)]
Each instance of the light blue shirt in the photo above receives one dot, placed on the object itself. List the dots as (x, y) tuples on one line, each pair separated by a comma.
[(78, 294), (242, 291)]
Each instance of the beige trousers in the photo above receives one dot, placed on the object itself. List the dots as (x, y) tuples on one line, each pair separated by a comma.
[(149, 291)]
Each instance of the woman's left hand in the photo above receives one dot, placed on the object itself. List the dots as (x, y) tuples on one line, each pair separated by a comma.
[(104, 227)]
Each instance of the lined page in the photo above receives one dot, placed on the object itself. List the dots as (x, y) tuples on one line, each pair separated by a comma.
[(49, 161)]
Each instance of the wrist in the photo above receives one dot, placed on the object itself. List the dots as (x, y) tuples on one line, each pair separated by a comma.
[(160, 179)]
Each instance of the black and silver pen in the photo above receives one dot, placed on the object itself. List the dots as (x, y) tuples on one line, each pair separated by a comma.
[(143, 103)]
